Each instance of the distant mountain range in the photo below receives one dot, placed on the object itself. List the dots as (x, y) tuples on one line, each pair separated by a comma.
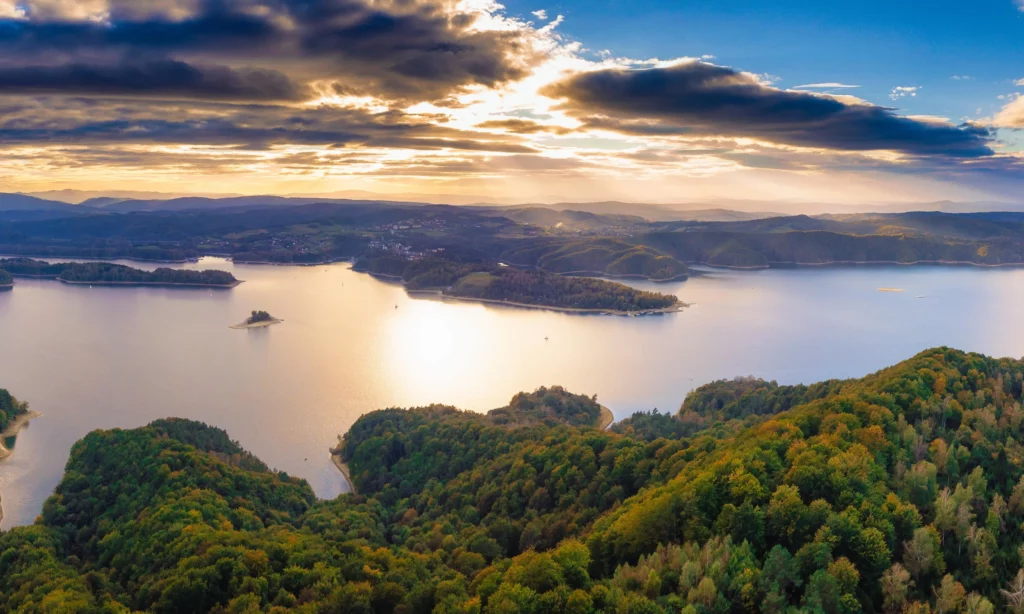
[(24, 202), (72, 202)]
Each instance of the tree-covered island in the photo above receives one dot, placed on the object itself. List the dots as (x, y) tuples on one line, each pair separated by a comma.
[(258, 319), (105, 273), (493, 283), (6, 281)]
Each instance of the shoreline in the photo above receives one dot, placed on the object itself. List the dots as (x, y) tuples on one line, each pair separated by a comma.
[(269, 263), (155, 284), (681, 277), (678, 307), (343, 467), (101, 258), (601, 275), (783, 264), (159, 284), (263, 324), (12, 430)]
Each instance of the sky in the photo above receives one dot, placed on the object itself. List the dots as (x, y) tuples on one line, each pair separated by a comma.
[(642, 100)]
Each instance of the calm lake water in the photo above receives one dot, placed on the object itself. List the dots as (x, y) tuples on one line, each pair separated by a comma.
[(91, 358)]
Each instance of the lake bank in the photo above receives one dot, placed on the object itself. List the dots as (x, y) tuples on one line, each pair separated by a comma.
[(101, 259), (150, 284), (860, 263), (343, 468), (12, 430), (130, 284), (678, 307), (605, 275)]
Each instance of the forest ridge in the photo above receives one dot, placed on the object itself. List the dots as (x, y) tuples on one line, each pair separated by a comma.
[(902, 491)]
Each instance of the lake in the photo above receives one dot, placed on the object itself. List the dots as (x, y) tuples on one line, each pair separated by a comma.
[(106, 357)]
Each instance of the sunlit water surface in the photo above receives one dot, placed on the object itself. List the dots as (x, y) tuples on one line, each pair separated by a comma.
[(91, 358)]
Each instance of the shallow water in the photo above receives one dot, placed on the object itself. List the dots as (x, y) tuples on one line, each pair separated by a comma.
[(107, 357)]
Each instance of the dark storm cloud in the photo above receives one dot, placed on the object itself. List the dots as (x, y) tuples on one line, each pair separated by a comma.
[(700, 98), (405, 49), (158, 78)]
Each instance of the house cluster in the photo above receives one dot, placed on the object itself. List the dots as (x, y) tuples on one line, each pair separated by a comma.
[(400, 249), (430, 224)]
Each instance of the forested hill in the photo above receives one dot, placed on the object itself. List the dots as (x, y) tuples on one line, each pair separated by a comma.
[(898, 492)]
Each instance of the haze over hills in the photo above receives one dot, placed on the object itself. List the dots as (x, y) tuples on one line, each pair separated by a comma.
[(200, 203), (617, 217), (718, 210)]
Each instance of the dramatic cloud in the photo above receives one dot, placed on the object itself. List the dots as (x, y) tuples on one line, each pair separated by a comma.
[(701, 98), (258, 127), (432, 90), (398, 49), (157, 78)]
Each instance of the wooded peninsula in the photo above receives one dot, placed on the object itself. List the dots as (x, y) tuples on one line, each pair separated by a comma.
[(105, 273), (491, 283)]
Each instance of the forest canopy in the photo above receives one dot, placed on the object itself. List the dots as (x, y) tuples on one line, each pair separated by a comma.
[(900, 492)]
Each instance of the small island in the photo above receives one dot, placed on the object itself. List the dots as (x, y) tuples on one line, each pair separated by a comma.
[(258, 319), (6, 281), (108, 274)]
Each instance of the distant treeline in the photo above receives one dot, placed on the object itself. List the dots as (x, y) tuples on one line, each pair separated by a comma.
[(108, 252), (105, 272), (743, 249)]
